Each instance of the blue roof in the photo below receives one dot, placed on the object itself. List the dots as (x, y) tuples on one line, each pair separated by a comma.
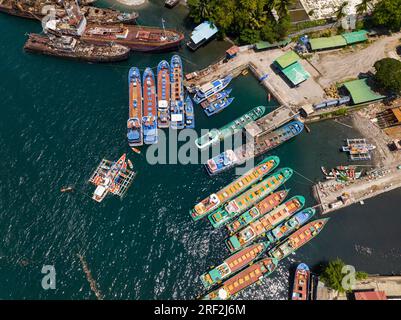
[(204, 31)]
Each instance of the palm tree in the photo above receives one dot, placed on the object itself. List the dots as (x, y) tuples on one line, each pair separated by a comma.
[(282, 7), (340, 12), (363, 7)]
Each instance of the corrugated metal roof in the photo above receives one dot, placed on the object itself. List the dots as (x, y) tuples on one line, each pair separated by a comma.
[(327, 42), (296, 73), (205, 30), (356, 36), (287, 59), (370, 295), (361, 92), (267, 45)]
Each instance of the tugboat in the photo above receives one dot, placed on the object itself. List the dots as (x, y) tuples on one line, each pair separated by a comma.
[(177, 93), (189, 113), (149, 108), (134, 123), (211, 88), (300, 289), (163, 94)]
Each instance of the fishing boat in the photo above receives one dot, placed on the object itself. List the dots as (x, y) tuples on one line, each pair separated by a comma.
[(189, 113), (218, 106), (134, 123), (298, 239), (252, 274), (235, 188), (263, 144), (260, 209), (177, 93), (163, 94), (149, 108), (300, 290), (67, 189), (246, 200), (265, 223), (211, 88), (233, 264), (218, 96), (231, 128)]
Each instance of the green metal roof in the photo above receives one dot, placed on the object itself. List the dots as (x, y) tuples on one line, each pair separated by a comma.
[(361, 92), (296, 73), (356, 36), (287, 59), (261, 45), (327, 42)]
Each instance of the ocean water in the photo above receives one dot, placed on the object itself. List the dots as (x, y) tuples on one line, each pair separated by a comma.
[(59, 118)]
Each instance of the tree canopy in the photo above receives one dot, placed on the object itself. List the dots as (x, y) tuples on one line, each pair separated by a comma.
[(387, 13), (388, 74), (248, 21)]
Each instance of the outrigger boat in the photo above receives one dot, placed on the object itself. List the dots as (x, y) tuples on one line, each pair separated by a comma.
[(300, 290), (254, 273), (233, 264), (265, 223), (177, 93), (150, 108), (189, 113), (249, 198), (231, 128), (236, 187), (211, 88), (220, 95), (218, 106), (134, 123), (260, 209), (163, 94), (298, 239)]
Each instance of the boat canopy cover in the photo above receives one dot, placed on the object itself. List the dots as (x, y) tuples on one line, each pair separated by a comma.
[(204, 31), (215, 275), (176, 117), (235, 243)]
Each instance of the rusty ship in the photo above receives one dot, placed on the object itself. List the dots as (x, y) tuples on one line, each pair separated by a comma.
[(72, 48)]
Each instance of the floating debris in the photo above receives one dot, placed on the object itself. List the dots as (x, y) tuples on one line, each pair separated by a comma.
[(90, 279)]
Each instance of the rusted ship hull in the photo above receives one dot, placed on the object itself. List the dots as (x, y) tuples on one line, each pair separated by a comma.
[(16, 12)]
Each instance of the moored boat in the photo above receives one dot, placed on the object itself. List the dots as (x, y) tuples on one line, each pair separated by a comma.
[(265, 223), (189, 113), (300, 290), (149, 118), (260, 209), (218, 106), (298, 239), (243, 279), (220, 95), (249, 198), (177, 93), (236, 187), (134, 123), (211, 88), (163, 94), (233, 264)]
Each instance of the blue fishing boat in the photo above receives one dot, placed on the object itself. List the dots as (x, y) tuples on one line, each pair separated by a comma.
[(134, 123), (189, 113), (223, 160), (177, 120), (211, 88), (149, 119), (220, 95), (163, 94), (218, 106)]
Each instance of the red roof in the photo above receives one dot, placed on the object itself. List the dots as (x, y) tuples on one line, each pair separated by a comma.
[(370, 295), (233, 50)]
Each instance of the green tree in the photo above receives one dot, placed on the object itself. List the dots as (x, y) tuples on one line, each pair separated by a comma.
[(332, 275), (340, 12), (387, 13), (200, 9), (388, 74), (363, 7), (282, 7)]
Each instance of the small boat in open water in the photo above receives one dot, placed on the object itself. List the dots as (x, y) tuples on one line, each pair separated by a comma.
[(300, 290), (134, 123), (163, 94), (211, 88), (189, 113), (149, 108), (218, 106), (244, 279), (177, 93)]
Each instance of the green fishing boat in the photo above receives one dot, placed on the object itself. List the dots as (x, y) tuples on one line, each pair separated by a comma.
[(216, 135), (248, 199)]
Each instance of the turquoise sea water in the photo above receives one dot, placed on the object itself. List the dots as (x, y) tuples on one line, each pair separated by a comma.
[(58, 118)]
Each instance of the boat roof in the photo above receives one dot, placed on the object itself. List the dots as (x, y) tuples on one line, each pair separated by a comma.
[(205, 30), (234, 241)]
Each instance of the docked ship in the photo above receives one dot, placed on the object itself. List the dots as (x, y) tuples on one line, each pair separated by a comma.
[(300, 290), (245, 153), (189, 113), (265, 223), (163, 94), (220, 95), (71, 48), (134, 123), (137, 38), (260, 209), (216, 135), (211, 88), (177, 93), (298, 239), (235, 188), (252, 274), (249, 198), (149, 119), (218, 106), (233, 264)]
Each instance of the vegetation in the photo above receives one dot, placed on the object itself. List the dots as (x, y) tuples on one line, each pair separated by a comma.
[(248, 21), (333, 275), (387, 13), (388, 74)]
